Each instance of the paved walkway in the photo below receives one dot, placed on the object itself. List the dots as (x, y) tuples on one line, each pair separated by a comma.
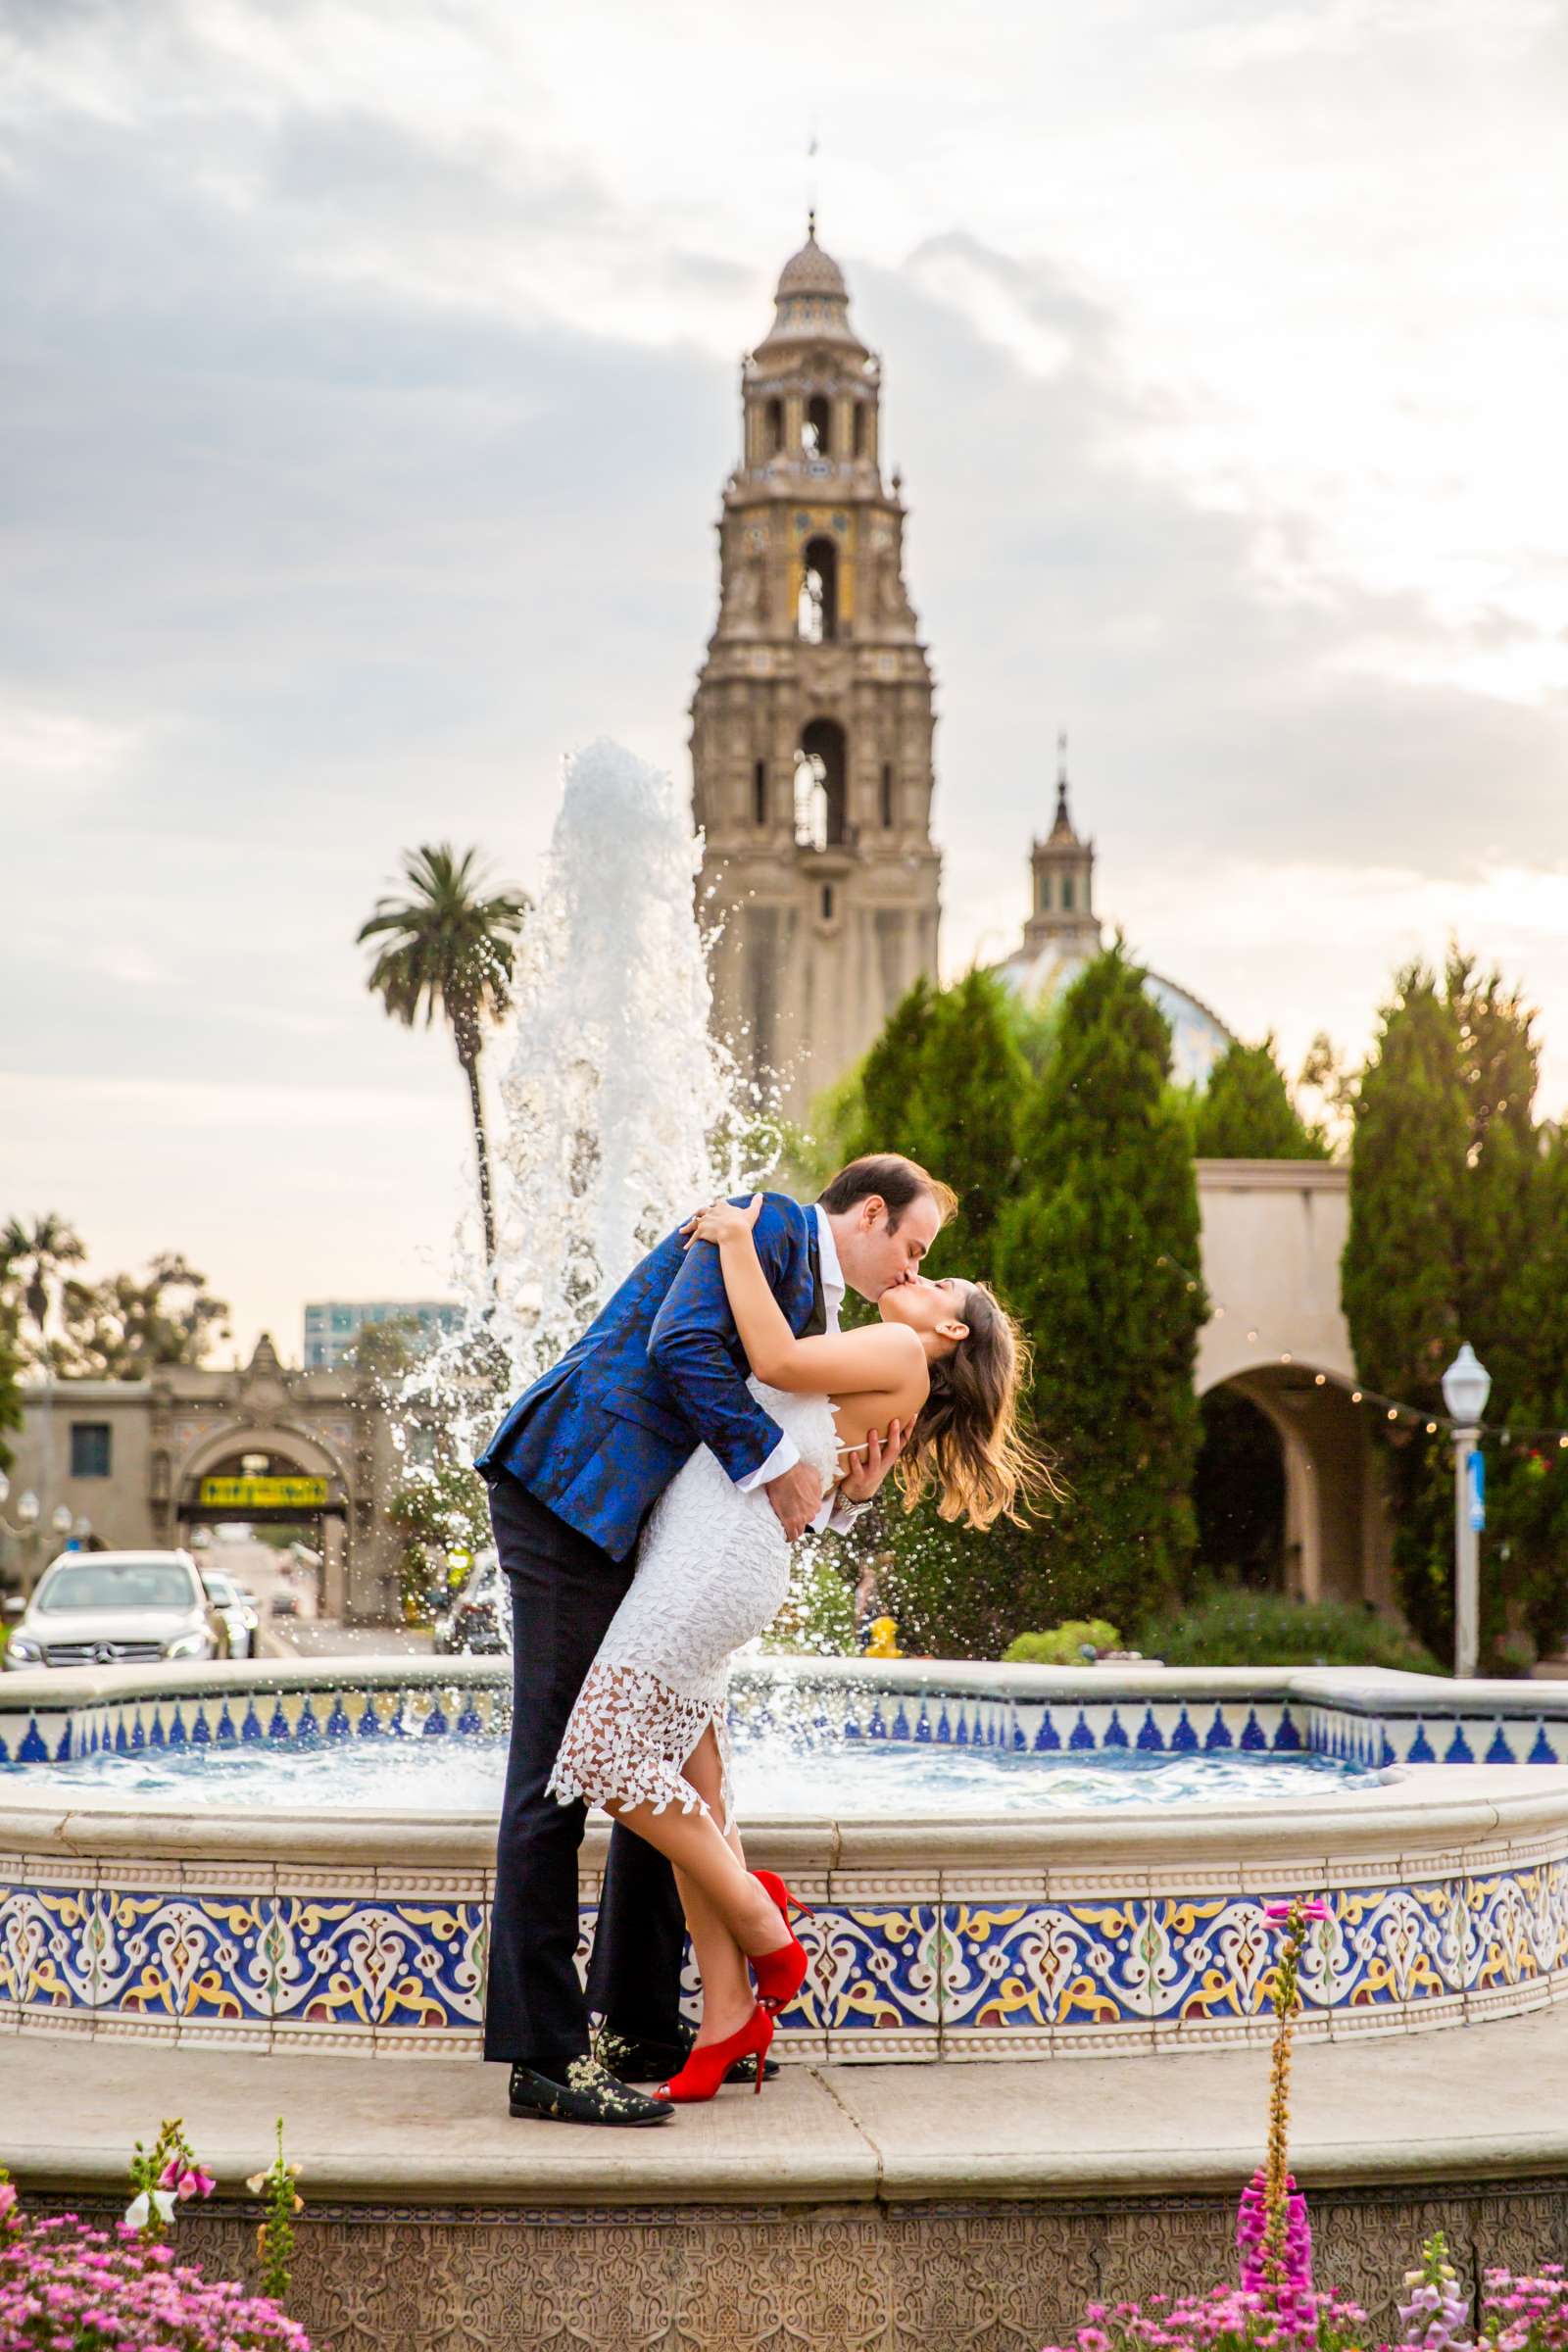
[(1486, 2100)]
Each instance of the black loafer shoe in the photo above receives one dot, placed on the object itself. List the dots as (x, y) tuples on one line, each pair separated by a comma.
[(590, 2094), (631, 2060)]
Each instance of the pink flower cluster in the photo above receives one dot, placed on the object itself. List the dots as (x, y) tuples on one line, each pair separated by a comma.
[(1526, 2313), (66, 2288), (1310, 1907), (1518, 2314), (1251, 2227), (186, 2180), (1228, 2318)]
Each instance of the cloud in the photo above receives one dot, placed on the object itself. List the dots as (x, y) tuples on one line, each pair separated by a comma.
[(369, 389), (52, 749)]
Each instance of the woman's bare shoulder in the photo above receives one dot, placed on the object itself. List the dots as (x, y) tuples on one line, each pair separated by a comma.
[(892, 1347)]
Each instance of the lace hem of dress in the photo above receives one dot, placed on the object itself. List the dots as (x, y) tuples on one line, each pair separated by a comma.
[(627, 1739)]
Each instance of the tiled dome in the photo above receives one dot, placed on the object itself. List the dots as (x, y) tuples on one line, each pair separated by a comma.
[(811, 271)]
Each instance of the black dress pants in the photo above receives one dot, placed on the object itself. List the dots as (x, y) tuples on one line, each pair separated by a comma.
[(565, 1591)]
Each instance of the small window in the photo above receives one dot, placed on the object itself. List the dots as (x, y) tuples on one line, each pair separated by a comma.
[(859, 428), (89, 1449), (1067, 894), (775, 427), (827, 902), (887, 785), (1044, 893), (816, 435), (759, 792)]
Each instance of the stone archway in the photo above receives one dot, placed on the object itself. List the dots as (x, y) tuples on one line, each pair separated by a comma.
[(289, 1449), (1333, 1524)]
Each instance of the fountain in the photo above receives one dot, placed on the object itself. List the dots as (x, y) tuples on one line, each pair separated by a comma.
[(1007, 1862)]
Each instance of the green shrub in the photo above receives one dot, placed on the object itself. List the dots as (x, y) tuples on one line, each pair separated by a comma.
[(1240, 1628), (1064, 1645)]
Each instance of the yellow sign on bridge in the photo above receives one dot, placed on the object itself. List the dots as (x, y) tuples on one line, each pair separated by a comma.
[(263, 1494)]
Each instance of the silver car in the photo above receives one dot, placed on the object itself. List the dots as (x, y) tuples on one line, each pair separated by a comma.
[(115, 1608)]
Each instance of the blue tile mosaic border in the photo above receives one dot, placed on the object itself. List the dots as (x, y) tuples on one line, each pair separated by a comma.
[(329, 1714), (939, 1971)]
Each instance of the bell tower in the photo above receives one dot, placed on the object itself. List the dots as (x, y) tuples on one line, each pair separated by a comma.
[(1062, 873), (811, 723)]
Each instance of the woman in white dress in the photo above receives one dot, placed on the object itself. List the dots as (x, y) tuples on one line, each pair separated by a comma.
[(647, 1737)]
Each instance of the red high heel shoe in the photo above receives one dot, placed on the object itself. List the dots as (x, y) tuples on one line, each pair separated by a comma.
[(705, 2070), (782, 1896), (781, 1972)]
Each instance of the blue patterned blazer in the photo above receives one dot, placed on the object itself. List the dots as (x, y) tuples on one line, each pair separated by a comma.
[(660, 1371)]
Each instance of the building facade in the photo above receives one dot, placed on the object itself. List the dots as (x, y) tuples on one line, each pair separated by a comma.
[(145, 1462), (332, 1326), (812, 720)]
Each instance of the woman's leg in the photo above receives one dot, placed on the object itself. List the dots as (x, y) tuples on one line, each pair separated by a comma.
[(728, 1995), (720, 1892)]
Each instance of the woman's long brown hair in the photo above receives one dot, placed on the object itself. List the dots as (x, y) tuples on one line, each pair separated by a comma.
[(967, 1441)]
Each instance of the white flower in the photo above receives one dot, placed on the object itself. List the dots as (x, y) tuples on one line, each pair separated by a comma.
[(140, 2209)]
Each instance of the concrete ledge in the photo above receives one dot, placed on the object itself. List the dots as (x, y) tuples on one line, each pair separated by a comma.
[(439, 2136)]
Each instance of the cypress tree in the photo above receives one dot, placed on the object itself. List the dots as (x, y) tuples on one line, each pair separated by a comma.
[(944, 1083), (971, 1085), (1246, 1110), (1529, 1533), (890, 1077), (1099, 1256), (1444, 1196)]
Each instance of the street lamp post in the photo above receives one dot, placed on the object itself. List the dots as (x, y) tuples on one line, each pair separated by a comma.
[(1466, 1386)]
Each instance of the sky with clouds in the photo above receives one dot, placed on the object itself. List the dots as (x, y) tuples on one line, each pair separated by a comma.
[(369, 383)]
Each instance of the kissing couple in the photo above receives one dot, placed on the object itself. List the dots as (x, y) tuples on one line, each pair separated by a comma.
[(644, 1493)]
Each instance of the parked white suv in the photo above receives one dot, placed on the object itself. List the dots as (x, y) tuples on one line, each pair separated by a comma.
[(115, 1608)]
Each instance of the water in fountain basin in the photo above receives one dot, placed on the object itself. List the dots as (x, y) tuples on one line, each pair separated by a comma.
[(776, 1774)]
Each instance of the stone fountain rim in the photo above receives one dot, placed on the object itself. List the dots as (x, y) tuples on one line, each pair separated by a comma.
[(1359, 1690), (1469, 1806)]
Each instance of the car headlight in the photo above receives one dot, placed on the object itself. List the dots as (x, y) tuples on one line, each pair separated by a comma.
[(23, 1650), (188, 1646)]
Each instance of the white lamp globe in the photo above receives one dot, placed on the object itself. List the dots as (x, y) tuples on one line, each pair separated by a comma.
[(28, 1509), (5, 1490), (1466, 1386), (60, 1520)]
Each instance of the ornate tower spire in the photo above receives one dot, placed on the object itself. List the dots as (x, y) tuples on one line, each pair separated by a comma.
[(1062, 871), (811, 724)]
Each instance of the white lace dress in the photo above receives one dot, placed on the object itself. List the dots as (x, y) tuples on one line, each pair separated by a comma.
[(712, 1569)]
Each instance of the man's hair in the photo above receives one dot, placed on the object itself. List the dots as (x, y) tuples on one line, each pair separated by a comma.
[(893, 1179)]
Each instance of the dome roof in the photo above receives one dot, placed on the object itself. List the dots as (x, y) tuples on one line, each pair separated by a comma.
[(811, 304), (1198, 1036), (812, 271)]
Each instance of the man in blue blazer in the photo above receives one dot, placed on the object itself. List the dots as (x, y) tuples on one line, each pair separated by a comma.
[(573, 1470)]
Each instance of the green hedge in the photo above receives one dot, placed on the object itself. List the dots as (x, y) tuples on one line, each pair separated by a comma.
[(1241, 1628), (1064, 1645)]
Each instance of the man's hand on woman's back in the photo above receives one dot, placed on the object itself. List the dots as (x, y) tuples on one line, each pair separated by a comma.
[(797, 1496)]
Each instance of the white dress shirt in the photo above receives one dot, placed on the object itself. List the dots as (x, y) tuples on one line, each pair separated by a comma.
[(786, 1453)]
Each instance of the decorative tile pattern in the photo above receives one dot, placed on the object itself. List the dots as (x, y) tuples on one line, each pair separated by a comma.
[(912, 1976), (1020, 1966), (180, 1956), (355, 1962), (913, 1964)]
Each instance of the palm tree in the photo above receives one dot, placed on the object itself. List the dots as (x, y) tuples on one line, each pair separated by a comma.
[(448, 947), (35, 1258)]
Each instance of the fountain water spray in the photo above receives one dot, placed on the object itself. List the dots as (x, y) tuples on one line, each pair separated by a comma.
[(624, 1112)]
